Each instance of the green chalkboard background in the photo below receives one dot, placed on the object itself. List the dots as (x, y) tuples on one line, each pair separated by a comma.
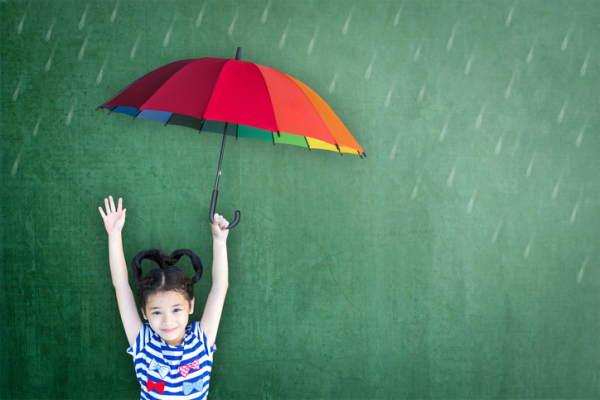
[(460, 259)]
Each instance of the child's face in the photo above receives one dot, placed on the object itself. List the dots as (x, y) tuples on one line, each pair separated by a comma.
[(168, 314)]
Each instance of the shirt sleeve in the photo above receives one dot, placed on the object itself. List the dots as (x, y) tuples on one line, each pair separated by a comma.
[(140, 341), (200, 334)]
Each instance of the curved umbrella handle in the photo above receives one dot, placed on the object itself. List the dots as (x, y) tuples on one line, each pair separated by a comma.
[(213, 205)]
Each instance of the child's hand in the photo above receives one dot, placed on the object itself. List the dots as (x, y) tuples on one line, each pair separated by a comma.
[(219, 228), (114, 219)]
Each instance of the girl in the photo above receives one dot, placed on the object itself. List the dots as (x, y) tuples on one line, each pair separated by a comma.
[(172, 359)]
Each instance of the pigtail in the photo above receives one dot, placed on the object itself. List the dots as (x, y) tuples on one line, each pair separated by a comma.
[(155, 255), (177, 254), (164, 262)]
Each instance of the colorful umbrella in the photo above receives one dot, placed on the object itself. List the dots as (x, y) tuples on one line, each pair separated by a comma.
[(264, 103)]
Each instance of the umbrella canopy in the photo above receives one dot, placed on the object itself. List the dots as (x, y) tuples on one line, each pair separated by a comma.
[(265, 103)]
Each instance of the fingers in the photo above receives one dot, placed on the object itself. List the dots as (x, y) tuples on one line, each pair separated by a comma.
[(109, 205), (220, 221), (223, 224)]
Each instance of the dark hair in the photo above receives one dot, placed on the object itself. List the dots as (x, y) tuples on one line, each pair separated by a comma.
[(166, 278)]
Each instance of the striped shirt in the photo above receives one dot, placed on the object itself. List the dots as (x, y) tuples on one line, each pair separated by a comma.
[(172, 372)]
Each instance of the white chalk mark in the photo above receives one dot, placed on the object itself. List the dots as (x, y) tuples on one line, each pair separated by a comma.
[(134, 49), (284, 36), (422, 93), (450, 179), (443, 132), (49, 62), (20, 27), (585, 63), (580, 276), (574, 213), (101, 73), (469, 64), (418, 52), (561, 114), (565, 41), (497, 232), (499, 145), (509, 88), (510, 15), (347, 24), (37, 126), (530, 167), (370, 68), (388, 98), (556, 188), (451, 39), (393, 152), (232, 25), (200, 16), (15, 166), (49, 33), (397, 17), (18, 89), (82, 20), (530, 54), (265, 14), (70, 115), (528, 248), (332, 85), (580, 137), (413, 195), (311, 45), (471, 202), (168, 36), (479, 119), (82, 50), (113, 16)]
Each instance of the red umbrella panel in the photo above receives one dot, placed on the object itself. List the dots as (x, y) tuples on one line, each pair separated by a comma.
[(264, 103)]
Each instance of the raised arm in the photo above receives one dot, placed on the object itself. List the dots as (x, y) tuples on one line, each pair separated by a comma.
[(220, 280), (114, 219)]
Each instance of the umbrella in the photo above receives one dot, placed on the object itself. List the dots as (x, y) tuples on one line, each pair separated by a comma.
[(263, 103)]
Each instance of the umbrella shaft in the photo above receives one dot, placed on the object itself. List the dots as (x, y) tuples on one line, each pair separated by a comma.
[(221, 157)]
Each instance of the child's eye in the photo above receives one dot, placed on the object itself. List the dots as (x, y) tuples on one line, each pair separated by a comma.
[(177, 310), (156, 313)]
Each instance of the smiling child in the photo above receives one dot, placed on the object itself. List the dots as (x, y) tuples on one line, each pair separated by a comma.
[(172, 359)]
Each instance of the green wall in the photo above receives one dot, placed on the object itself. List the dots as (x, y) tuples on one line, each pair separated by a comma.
[(459, 260)]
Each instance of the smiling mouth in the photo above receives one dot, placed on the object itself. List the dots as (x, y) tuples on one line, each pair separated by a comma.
[(169, 330)]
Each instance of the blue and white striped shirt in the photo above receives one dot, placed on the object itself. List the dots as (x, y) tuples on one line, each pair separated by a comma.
[(172, 372)]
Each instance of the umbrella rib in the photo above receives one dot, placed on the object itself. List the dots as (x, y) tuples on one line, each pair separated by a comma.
[(307, 145), (169, 120)]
